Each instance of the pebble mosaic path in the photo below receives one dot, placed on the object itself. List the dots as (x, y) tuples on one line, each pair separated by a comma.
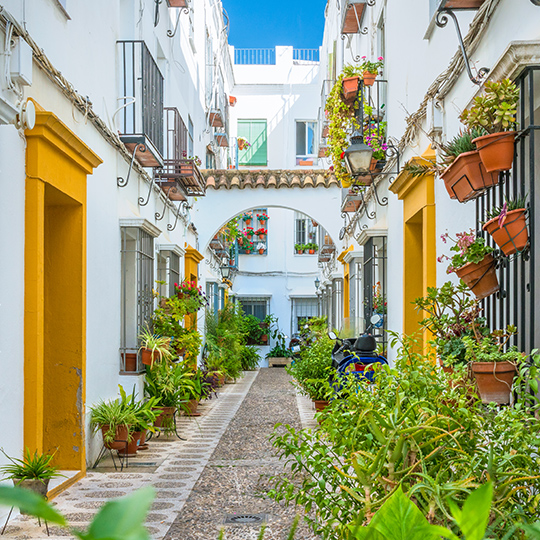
[(222, 468)]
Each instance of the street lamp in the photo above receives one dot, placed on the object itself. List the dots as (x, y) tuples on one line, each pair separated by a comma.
[(358, 156), (317, 283), (225, 269)]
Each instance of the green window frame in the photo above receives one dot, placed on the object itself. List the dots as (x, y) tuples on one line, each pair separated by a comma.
[(254, 131)]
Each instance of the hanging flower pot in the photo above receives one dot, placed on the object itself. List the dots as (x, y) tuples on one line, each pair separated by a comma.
[(240, 241), (261, 236), (466, 178), (148, 357), (248, 221), (480, 278), (494, 381), (369, 78), (496, 150), (513, 235), (350, 89), (261, 251)]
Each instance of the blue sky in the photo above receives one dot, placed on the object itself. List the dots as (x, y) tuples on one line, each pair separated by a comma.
[(262, 24)]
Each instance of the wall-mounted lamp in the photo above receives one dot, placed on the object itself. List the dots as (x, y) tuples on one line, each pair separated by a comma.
[(317, 283), (358, 156)]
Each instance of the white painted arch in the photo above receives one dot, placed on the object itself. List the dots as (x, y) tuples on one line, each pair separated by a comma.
[(323, 204)]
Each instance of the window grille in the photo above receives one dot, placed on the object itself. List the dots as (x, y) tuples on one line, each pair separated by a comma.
[(302, 309), (137, 300), (190, 137), (516, 301), (374, 273), (259, 307), (305, 232)]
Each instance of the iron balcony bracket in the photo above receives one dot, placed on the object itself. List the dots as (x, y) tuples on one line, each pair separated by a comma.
[(172, 33), (183, 208), (120, 182), (142, 202), (156, 14), (381, 202), (159, 216), (441, 20)]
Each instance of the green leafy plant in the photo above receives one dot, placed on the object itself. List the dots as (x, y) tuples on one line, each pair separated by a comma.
[(518, 203), (114, 414), (493, 347), (144, 412), (299, 247), (467, 248), (250, 358), (495, 110), (371, 67), (32, 467), (280, 349), (157, 345)]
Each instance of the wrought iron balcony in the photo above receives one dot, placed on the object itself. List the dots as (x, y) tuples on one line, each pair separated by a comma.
[(141, 91), (326, 252), (350, 201), (179, 176)]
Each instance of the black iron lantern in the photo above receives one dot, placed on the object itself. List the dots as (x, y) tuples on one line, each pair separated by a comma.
[(317, 283), (358, 156)]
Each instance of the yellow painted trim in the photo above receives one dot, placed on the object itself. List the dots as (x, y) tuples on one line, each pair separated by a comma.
[(65, 485), (192, 258), (57, 165), (341, 256)]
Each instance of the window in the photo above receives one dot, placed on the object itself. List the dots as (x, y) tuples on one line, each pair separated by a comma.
[(254, 131), (374, 278), (209, 69), (212, 293), (305, 142), (518, 295), (210, 160), (255, 306), (137, 301), (190, 137), (305, 231), (302, 309), (168, 269)]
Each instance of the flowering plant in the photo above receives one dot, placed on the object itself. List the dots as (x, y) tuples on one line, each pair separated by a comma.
[(379, 299), (262, 230), (246, 216), (467, 249), (262, 217), (194, 297), (242, 143), (196, 159), (248, 246), (372, 67), (249, 231), (260, 245)]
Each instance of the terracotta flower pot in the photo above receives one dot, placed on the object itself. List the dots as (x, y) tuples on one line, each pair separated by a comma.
[(143, 445), (132, 445), (261, 251), (325, 132), (300, 251), (241, 145), (513, 235), (248, 221), (480, 278), (496, 150), (320, 404), (350, 89), (130, 362), (248, 251), (494, 380), (120, 437), (261, 236), (148, 357), (311, 251), (466, 178), (369, 78), (240, 241), (264, 338), (166, 415), (192, 405)]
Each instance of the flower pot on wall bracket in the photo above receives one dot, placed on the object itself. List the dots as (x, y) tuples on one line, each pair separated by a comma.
[(497, 150), (261, 251), (466, 178), (481, 278), (350, 89), (513, 235), (369, 78), (494, 381)]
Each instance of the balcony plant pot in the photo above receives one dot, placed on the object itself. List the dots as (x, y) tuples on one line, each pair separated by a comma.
[(369, 78), (165, 417), (320, 404), (466, 178), (350, 89), (481, 278), (494, 381), (496, 150), (131, 449), (121, 435), (513, 235)]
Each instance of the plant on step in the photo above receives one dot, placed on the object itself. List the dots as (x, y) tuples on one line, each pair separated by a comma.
[(34, 466), (467, 248), (417, 429), (280, 349), (119, 519)]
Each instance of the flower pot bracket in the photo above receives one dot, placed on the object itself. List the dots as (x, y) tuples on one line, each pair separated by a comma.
[(464, 188), (446, 10), (353, 15)]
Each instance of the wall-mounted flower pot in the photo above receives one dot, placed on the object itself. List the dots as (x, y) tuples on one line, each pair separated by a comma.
[(240, 241), (261, 236), (513, 235), (496, 150), (148, 357), (232, 99), (247, 221), (481, 278), (350, 89), (248, 251), (466, 178), (494, 381), (369, 78), (261, 251)]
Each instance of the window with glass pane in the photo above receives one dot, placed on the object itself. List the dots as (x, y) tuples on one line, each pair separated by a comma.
[(305, 231), (254, 131), (190, 137), (305, 142), (254, 306), (303, 309), (137, 300)]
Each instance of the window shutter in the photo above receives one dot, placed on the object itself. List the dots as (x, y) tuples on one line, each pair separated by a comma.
[(255, 133)]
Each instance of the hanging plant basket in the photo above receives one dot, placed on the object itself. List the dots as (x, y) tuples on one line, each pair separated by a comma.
[(369, 78), (466, 178), (481, 278), (513, 235), (494, 381), (496, 150), (350, 89)]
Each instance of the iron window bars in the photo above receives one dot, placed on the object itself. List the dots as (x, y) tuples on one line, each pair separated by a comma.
[(141, 90), (137, 300), (517, 299)]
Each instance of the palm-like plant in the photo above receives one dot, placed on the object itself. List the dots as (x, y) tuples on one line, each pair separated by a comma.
[(31, 467)]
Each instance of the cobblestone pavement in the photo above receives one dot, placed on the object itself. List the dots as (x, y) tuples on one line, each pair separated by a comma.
[(237, 475), (222, 468)]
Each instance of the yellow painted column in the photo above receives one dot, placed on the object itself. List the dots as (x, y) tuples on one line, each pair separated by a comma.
[(346, 282), (192, 258)]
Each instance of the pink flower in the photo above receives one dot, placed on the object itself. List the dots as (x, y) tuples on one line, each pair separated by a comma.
[(502, 215), (380, 58)]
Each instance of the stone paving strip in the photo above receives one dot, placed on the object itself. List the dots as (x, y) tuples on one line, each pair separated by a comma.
[(172, 466)]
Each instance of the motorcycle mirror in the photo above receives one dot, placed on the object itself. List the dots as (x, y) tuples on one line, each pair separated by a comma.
[(332, 335), (375, 318)]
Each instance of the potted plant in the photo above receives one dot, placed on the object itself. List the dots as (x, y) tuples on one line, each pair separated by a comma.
[(194, 389), (299, 248), (247, 216), (154, 348), (262, 217), (242, 143), (261, 248), (493, 368), (312, 247), (465, 176), (249, 233), (261, 233), (192, 296), (473, 263), (348, 83), (33, 472), (370, 70), (115, 420), (495, 112), (248, 247), (508, 225)]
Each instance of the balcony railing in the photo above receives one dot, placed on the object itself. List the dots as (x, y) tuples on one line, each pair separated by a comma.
[(141, 90), (179, 176), (255, 56), (306, 55)]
